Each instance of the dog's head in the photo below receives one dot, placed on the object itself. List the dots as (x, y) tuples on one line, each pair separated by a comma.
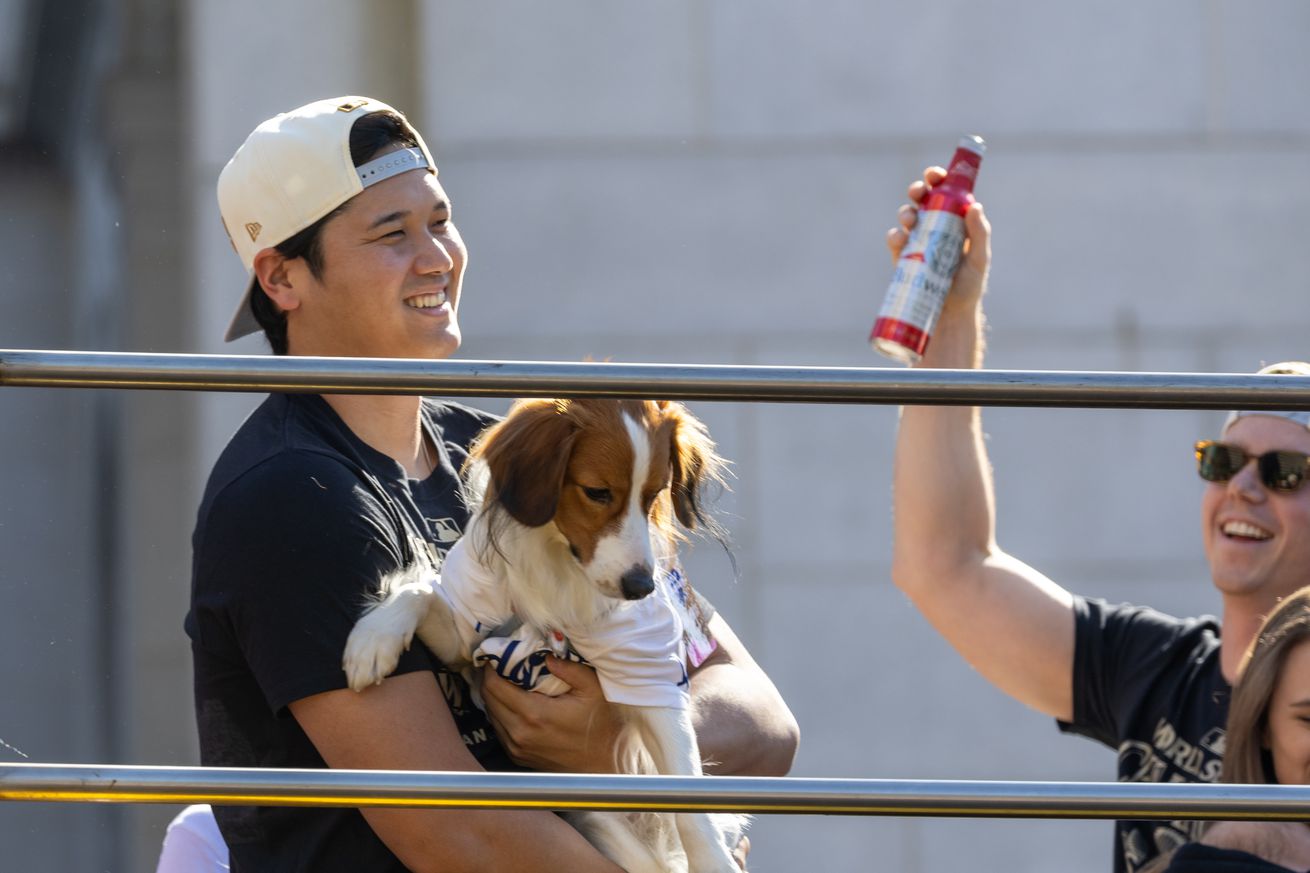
[(611, 475)]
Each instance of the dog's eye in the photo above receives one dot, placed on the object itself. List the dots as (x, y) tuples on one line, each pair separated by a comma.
[(598, 495)]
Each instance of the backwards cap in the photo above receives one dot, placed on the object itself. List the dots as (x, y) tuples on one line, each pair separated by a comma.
[(1283, 368), (294, 169)]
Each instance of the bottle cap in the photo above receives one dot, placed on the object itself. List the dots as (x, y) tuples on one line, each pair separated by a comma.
[(974, 144)]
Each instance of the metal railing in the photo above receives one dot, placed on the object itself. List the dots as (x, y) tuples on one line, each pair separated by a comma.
[(871, 385), (757, 795), (119, 784)]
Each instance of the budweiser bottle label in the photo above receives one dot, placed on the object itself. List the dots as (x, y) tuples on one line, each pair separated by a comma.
[(924, 272)]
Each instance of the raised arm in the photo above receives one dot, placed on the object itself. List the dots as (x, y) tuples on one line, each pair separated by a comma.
[(1011, 623), (403, 724)]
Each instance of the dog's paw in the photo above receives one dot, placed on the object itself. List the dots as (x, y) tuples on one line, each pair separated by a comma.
[(711, 841), (732, 827), (373, 651)]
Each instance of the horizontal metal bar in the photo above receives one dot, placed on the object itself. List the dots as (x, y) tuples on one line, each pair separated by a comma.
[(1089, 800), (56, 369)]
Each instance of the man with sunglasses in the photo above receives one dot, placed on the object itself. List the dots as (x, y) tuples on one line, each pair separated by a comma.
[(1153, 687)]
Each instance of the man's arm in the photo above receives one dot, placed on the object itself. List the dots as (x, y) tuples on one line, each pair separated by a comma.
[(290, 594), (403, 724), (743, 726), (1011, 623)]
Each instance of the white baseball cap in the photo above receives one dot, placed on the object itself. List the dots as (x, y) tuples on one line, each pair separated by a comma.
[(1283, 368), (294, 169)]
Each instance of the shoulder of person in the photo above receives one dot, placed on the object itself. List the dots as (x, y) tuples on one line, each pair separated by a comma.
[(303, 523), (1129, 618), (458, 424), (282, 424), (295, 492), (316, 473), (450, 412)]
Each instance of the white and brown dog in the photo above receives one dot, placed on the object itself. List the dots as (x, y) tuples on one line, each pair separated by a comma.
[(573, 550)]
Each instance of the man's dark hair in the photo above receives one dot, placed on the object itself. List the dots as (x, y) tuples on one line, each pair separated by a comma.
[(369, 135)]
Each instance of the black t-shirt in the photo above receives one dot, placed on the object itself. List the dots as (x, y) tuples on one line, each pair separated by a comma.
[(1150, 686), (1198, 858), (299, 522)]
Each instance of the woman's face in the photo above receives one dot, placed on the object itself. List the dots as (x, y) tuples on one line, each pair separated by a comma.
[(1288, 734)]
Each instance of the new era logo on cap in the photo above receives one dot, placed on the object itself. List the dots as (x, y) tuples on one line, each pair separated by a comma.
[(253, 228)]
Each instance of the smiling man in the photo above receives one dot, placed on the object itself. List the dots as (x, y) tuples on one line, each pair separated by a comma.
[(337, 213), (1153, 687)]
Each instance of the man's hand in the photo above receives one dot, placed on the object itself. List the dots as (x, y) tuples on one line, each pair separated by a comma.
[(741, 721), (575, 732), (971, 277)]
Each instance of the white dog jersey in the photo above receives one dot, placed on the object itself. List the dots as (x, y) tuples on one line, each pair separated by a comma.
[(640, 649)]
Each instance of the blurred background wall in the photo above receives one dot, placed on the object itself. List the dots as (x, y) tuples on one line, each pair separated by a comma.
[(674, 182)]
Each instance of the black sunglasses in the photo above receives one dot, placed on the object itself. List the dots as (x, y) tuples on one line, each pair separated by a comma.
[(1279, 470)]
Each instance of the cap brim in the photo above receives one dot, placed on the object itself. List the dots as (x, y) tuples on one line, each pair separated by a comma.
[(243, 321)]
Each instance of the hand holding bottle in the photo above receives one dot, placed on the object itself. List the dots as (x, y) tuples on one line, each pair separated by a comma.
[(971, 277), (941, 231)]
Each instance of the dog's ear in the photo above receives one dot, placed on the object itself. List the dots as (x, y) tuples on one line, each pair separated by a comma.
[(527, 455), (696, 464)]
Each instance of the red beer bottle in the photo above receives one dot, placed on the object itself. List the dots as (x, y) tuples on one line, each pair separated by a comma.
[(927, 263)]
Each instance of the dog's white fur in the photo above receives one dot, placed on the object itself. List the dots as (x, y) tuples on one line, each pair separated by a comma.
[(552, 588)]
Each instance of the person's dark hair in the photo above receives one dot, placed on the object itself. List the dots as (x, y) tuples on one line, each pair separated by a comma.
[(369, 135)]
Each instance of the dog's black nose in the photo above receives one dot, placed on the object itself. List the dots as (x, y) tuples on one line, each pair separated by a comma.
[(637, 583)]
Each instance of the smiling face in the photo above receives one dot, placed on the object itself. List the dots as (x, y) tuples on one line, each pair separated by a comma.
[(1257, 540), (390, 283), (1288, 731)]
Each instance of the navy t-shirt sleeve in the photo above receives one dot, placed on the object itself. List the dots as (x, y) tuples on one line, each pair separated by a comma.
[(1119, 653), (290, 551)]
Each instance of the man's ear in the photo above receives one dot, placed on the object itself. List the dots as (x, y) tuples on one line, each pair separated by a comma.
[(277, 277)]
